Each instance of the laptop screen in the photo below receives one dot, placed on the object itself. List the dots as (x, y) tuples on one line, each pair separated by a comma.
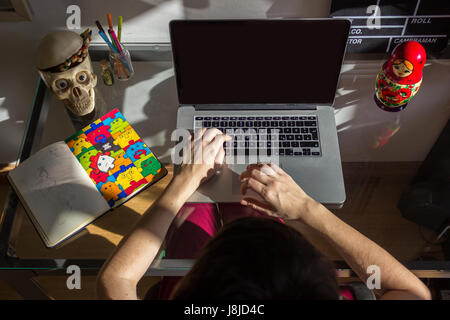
[(258, 61)]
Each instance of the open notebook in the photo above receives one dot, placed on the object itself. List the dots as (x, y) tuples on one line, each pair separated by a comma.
[(68, 184)]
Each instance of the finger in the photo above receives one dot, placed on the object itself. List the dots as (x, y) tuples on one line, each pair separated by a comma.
[(246, 173), (198, 134), (209, 154), (204, 138), (197, 147), (276, 168), (216, 144), (210, 134), (258, 205), (254, 166), (257, 174), (262, 172), (219, 158), (255, 185), (189, 147), (244, 187), (267, 168)]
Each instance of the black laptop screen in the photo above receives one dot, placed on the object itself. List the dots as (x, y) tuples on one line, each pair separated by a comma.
[(257, 61)]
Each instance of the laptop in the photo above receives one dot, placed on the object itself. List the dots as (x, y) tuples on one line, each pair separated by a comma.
[(274, 80)]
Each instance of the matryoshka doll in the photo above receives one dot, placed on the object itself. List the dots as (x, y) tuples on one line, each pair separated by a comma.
[(400, 77)]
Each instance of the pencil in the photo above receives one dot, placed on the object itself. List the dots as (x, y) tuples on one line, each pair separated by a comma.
[(113, 36), (108, 16), (124, 70), (99, 26), (118, 63), (119, 27), (102, 33), (113, 48), (111, 27)]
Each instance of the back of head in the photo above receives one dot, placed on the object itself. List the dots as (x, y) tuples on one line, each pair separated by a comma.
[(256, 258)]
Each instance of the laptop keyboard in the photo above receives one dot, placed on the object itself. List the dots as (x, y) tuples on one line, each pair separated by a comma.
[(283, 135)]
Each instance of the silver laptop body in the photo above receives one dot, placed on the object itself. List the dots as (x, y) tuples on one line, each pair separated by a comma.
[(245, 86)]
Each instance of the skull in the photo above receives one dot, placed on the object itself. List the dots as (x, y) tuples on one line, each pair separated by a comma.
[(64, 64), (75, 87)]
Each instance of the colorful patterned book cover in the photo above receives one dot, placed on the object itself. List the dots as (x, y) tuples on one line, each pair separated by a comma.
[(115, 157)]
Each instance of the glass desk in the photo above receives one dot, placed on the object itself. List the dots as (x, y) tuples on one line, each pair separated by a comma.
[(149, 102)]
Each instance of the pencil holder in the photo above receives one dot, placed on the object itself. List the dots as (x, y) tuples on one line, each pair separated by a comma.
[(121, 65)]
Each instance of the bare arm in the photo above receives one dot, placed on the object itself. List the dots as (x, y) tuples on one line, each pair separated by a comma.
[(396, 281), (121, 273), (282, 197)]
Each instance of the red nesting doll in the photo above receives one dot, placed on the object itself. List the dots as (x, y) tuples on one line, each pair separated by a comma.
[(400, 77)]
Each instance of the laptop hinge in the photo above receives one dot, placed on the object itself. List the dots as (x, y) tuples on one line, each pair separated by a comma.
[(255, 106)]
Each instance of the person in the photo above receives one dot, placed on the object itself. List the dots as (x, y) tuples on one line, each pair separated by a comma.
[(252, 257)]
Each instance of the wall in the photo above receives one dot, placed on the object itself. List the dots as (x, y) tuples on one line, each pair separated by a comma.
[(147, 21)]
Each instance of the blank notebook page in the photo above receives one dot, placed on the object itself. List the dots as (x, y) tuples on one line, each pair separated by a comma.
[(62, 197)]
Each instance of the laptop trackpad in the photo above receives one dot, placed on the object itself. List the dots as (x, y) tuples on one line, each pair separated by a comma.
[(224, 186)]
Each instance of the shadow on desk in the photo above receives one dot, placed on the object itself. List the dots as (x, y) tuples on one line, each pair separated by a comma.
[(97, 240), (148, 101)]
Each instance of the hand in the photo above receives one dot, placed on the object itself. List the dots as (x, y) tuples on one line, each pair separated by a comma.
[(281, 196), (207, 155)]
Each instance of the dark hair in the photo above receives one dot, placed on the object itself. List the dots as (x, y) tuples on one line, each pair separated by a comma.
[(257, 258)]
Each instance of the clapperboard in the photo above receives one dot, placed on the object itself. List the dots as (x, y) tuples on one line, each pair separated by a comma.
[(379, 25)]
